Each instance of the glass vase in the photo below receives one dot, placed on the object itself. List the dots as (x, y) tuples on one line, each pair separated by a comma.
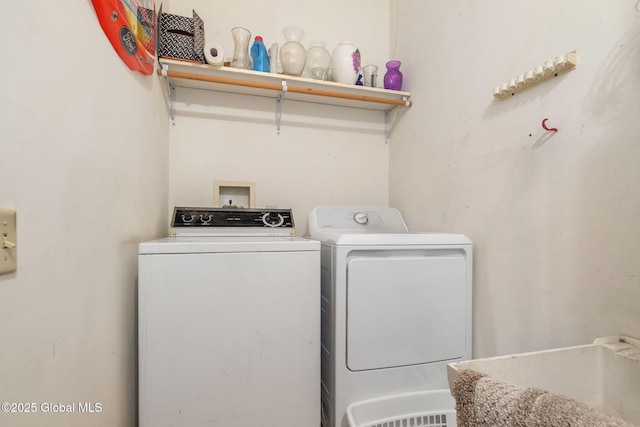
[(318, 61), (370, 74), (241, 59), (292, 53), (393, 76)]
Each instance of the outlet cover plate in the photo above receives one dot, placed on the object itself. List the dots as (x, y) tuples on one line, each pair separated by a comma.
[(8, 249)]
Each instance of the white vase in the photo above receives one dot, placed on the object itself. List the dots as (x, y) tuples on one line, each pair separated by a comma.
[(345, 63)]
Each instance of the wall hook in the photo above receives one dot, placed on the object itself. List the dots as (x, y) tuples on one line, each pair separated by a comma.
[(544, 125)]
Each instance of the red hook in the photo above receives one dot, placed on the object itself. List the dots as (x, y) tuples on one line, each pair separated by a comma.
[(544, 125)]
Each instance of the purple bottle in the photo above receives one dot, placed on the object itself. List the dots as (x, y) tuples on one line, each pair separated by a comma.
[(393, 76)]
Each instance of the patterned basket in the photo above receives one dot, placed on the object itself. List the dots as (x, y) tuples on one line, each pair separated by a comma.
[(180, 37)]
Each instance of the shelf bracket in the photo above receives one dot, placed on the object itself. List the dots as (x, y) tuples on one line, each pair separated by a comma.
[(172, 98), (279, 102), (391, 117), (171, 89), (387, 129)]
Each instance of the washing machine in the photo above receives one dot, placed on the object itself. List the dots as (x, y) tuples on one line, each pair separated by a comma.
[(396, 306), (229, 322)]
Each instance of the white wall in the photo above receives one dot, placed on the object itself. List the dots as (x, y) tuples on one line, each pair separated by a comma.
[(84, 161), (554, 218), (323, 155), (86, 164)]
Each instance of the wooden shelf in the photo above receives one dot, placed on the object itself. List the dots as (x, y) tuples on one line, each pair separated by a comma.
[(226, 79), (279, 87)]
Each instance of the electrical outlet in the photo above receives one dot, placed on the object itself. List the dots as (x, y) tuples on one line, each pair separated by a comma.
[(8, 244)]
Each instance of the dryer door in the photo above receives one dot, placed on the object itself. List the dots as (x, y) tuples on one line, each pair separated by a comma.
[(406, 308)]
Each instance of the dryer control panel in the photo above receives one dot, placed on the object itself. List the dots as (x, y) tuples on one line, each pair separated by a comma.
[(355, 219)]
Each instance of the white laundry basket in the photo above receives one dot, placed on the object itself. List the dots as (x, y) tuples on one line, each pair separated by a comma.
[(434, 408)]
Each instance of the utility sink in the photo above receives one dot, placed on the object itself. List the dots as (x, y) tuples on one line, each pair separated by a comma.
[(604, 375)]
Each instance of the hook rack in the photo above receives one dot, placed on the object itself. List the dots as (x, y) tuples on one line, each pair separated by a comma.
[(539, 74)]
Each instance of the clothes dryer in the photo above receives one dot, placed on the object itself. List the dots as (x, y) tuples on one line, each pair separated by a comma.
[(396, 306)]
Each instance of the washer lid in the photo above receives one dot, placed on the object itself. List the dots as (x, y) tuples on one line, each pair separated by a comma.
[(195, 245)]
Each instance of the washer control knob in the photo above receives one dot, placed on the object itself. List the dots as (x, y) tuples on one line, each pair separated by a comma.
[(361, 218), (272, 219), (190, 217)]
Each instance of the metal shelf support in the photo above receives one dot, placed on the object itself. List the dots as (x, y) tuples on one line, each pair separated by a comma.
[(171, 90), (279, 102)]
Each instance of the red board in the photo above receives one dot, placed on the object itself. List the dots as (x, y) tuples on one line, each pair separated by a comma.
[(131, 29)]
